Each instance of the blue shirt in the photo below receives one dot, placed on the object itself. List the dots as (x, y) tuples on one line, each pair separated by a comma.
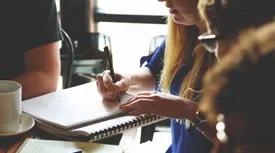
[(184, 140)]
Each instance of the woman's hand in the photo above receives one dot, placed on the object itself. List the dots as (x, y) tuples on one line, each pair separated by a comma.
[(110, 90), (160, 104)]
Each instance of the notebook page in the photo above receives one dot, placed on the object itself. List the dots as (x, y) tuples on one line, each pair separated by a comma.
[(72, 106), (53, 146), (101, 130)]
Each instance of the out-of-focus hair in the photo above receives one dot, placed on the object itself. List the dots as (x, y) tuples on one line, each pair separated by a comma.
[(228, 17), (243, 83)]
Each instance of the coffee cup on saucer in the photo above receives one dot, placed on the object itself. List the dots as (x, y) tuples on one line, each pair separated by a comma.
[(10, 106)]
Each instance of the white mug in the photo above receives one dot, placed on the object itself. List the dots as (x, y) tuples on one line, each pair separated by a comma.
[(10, 106)]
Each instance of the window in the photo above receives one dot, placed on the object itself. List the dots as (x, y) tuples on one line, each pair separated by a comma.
[(141, 7), (57, 5), (130, 38)]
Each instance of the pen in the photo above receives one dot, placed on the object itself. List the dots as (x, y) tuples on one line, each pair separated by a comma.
[(110, 64)]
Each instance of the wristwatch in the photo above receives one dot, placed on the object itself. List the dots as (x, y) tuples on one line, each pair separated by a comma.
[(200, 118)]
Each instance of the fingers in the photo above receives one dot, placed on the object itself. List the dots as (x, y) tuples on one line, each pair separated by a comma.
[(121, 85), (105, 91), (142, 103), (107, 82), (153, 103), (148, 93), (107, 79), (137, 106), (144, 95), (107, 88)]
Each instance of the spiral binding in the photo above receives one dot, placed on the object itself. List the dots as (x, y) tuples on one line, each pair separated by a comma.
[(106, 117), (100, 134), (141, 120)]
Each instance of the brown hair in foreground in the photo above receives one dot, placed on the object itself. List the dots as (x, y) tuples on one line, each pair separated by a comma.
[(242, 84)]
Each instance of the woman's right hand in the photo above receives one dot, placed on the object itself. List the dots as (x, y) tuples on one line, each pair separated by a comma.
[(110, 90)]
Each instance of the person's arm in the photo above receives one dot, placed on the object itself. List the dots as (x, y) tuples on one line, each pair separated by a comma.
[(167, 105), (42, 70), (140, 80), (205, 128), (143, 79)]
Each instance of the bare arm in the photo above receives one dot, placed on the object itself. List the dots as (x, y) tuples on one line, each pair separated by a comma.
[(140, 80), (167, 105), (205, 128), (42, 70)]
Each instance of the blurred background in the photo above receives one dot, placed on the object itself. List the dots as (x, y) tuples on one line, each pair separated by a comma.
[(128, 27)]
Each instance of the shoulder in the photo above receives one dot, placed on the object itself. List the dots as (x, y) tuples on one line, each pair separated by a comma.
[(41, 23), (162, 46), (35, 8)]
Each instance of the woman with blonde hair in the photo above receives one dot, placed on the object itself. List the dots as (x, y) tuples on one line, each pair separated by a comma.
[(175, 71)]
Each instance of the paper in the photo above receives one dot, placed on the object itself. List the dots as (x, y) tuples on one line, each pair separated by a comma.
[(51, 146), (68, 108), (74, 114)]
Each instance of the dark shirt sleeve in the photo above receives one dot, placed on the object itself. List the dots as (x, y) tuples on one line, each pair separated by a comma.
[(155, 63), (41, 24), (26, 24)]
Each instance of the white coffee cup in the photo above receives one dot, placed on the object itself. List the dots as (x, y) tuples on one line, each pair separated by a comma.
[(10, 106)]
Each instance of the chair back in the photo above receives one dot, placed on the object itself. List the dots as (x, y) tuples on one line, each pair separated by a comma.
[(67, 58)]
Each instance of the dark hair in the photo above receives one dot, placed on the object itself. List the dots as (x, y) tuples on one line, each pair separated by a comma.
[(250, 92), (243, 83), (229, 16)]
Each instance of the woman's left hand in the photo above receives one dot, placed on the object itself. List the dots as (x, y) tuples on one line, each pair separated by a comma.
[(158, 103)]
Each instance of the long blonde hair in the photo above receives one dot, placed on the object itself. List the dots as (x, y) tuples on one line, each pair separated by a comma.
[(182, 48)]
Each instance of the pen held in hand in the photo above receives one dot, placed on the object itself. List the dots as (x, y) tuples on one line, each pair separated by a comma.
[(110, 63), (110, 66)]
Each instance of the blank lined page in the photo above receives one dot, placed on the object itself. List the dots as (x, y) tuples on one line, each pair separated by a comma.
[(71, 106)]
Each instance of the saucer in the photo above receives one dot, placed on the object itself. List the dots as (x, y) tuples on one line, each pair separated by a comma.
[(27, 122)]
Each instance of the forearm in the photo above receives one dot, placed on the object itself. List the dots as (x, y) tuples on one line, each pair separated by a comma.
[(42, 70), (191, 109), (142, 80), (188, 110), (36, 83)]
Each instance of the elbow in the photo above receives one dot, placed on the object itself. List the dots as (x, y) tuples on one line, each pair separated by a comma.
[(37, 83), (52, 83), (52, 78), (42, 87), (52, 87), (48, 84)]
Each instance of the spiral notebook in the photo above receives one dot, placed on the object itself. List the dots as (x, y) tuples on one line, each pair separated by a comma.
[(81, 111), (100, 130)]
